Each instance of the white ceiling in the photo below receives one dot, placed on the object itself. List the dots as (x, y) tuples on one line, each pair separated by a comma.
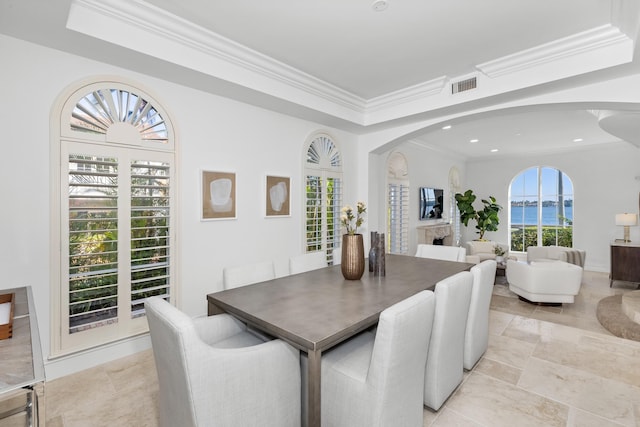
[(361, 57), (369, 53)]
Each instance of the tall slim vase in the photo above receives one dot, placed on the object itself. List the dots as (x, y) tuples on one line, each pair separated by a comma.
[(352, 256)]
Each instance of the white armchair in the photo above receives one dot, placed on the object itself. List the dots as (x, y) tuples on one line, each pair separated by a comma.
[(544, 281), (212, 372), (377, 379), (485, 249)]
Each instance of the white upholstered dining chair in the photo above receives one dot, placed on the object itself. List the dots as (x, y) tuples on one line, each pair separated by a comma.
[(307, 262), (444, 368), (446, 253), (234, 277), (476, 338), (337, 255), (213, 372), (376, 379)]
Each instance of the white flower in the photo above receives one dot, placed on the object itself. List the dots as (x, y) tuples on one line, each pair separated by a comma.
[(347, 217)]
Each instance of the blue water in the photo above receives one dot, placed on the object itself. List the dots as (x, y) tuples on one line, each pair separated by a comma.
[(549, 215)]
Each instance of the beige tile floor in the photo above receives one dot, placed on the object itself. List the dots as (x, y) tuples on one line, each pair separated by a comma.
[(545, 366)]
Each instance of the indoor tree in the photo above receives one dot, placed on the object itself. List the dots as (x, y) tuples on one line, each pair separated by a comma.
[(486, 219)]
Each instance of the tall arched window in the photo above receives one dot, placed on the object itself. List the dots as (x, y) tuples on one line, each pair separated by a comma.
[(323, 195), (397, 204), (113, 158), (541, 209)]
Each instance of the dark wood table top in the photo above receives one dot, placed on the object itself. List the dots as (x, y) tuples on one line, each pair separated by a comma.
[(318, 309)]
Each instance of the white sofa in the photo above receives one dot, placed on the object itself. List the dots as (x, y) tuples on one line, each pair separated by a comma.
[(544, 281), (561, 253)]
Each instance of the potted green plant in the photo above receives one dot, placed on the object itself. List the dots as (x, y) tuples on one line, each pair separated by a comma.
[(486, 219)]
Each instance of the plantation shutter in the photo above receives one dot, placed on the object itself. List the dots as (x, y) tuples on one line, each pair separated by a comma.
[(150, 232), (398, 226), (119, 240), (313, 213), (93, 241)]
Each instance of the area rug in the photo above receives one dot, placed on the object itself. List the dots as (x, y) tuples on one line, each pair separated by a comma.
[(613, 319)]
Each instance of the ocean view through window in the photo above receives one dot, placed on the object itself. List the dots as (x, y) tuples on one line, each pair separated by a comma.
[(550, 214), (540, 209)]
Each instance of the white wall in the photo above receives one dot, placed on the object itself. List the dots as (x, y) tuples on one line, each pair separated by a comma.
[(604, 183), (427, 168), (212, 133)]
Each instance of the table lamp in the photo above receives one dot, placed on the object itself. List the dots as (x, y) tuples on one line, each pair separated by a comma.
[(626, 220)]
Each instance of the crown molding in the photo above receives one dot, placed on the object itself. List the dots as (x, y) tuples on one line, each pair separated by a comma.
[(150, 30), (411, 93), (157, 22), (587, 41)]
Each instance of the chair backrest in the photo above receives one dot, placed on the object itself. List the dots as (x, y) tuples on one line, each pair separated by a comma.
[(476, 247), (396, 372), (234, 277), (561, 253), (337, 255), (477, 332), (307, 262), (171, 332), (446, 253), (444, 369), (535, 253)]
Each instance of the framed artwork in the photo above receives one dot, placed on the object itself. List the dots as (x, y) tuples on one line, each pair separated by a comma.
[(218, 195), (277, 196)]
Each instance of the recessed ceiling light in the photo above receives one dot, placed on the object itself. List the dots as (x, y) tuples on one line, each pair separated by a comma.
[(473, 141), (379, 5), (447, 127), (578, 140), (494, 150)]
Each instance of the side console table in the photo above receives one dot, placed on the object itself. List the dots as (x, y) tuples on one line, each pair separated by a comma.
[(625, 262), (22, 367)]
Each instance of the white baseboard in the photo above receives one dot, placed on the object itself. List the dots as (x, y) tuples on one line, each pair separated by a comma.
[(67, 365)]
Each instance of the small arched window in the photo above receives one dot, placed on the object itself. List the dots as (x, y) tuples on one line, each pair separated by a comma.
[(323, 195), (541, 209)]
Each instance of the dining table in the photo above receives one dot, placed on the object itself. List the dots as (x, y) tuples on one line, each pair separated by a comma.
[(316, 310)]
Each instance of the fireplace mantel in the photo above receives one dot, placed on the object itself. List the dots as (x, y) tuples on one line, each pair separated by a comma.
[(427, 233)]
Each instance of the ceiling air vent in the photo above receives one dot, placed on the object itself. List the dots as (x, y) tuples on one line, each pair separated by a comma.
[(463, 85)]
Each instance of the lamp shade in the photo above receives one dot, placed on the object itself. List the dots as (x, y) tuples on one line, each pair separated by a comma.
[(626, 219)]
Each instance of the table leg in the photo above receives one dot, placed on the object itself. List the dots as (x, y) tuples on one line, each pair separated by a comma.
[(314, 377), (213, 309)]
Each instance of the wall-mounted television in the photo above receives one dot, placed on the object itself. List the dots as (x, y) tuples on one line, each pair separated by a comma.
[(431, 203)]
